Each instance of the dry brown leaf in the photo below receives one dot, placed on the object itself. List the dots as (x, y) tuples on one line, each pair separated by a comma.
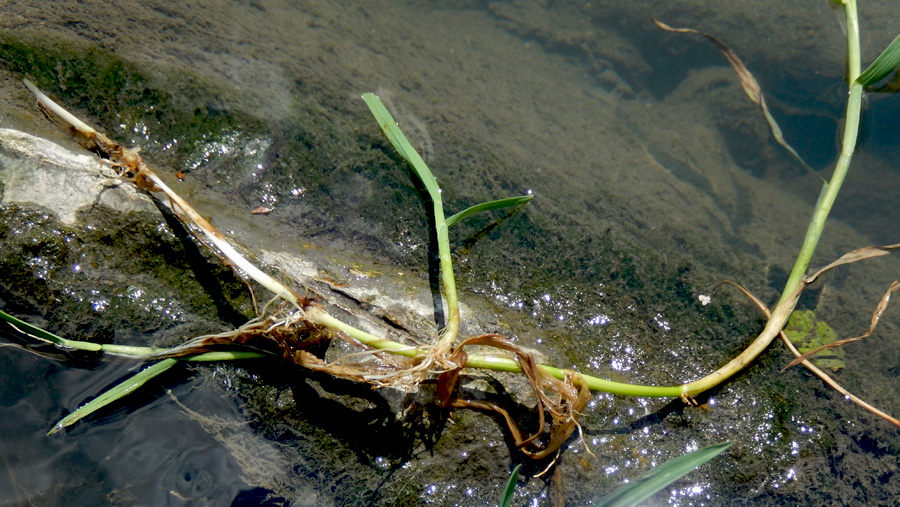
[(860, 254), (876, 316), (748, 82), (821, 374)]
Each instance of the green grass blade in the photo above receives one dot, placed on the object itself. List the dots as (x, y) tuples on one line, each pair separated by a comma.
[(510, 488), (119, 391), (128, 386), (46, 336), (485, 206), (402, 145), (227, 355), (887, 62), (658, 478), (42, 335)]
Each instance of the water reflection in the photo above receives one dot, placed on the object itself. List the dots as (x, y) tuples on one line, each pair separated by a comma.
[(180, 462)]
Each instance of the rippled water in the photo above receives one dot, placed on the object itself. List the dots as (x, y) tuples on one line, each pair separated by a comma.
[(180, 463)]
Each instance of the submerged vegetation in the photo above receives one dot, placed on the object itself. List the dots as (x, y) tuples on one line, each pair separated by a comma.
[(809, 334), (293, 324)]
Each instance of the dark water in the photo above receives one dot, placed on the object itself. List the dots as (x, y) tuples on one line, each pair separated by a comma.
[(146, 452), (655, 178)]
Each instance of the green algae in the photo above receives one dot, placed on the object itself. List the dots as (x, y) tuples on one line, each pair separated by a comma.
[(808, 332), (124, 98)]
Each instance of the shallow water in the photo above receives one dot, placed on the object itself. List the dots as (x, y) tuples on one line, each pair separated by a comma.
[(654, 176)]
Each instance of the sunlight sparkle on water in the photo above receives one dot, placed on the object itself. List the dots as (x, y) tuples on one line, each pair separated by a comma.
[(141, 129), (98, 304), (661, 322), (599, 320), (693, 490), (40, 267)]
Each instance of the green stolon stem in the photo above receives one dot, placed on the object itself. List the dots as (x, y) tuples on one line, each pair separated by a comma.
[(779, 316), (412, 157), (494, 363), (827, 196)]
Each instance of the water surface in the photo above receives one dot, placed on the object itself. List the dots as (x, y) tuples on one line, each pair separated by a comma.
[(654, 178)]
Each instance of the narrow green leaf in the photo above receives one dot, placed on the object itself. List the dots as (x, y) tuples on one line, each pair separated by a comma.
[(119, 391), (887, 62), (485, 206), (127, 386), (227, 355), (40, 334), (510, 488), (658, 478), (46, 336), (402, 145)]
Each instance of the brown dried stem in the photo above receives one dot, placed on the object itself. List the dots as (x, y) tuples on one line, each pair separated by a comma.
[(801, 359)]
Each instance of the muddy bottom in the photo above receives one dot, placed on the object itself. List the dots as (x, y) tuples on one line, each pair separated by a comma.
[(654, 179)]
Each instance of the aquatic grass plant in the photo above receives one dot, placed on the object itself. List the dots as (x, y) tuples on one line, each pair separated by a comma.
[(506, 496), (643, 486), (293, 321), (133, 382), (657, 478), (857, 80)]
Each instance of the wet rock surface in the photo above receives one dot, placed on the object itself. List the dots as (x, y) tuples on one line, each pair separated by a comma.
[(644, 201)]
